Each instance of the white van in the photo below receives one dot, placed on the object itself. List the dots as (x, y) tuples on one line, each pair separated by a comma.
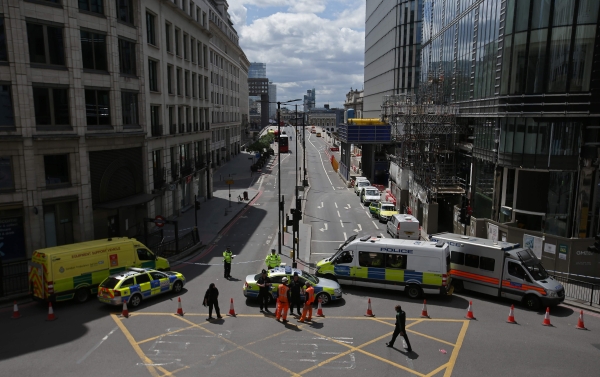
[(416, 267), (360, 183), (404, 226), (369, 194)]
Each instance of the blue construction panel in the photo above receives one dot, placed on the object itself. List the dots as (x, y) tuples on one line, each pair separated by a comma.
[(357, 134)]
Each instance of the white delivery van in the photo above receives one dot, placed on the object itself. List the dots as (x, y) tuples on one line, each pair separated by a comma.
[(369, 194), (416, 267), (359, 183), (404, 226), (500, 269)]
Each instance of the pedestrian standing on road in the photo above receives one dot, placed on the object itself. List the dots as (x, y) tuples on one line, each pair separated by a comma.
[(273, 260), (283, 300), (264, 288), (211, 300), (297, 288), (227, 257), (400, 329), (310, 298)]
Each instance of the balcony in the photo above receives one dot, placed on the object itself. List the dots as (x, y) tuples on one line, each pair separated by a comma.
[(187, 167), (189, 127), (157, 130), (182, 128), (160, 178), (172, 129), (174, 172)]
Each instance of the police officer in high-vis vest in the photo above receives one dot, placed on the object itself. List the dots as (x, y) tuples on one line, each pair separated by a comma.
[(273, 260), (227, 257)]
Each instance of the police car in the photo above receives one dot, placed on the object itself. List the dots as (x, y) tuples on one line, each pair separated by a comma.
[(137, 284), (325, 289)]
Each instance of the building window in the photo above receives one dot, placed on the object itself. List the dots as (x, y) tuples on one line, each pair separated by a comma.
[(178, 78), (129, 102), (192, 53), (186, 83), (7, 181), (51, 106), (56, 169), (155, 125), (125, 11), (46, 44), (151, 28), (170, 79), (177, 47), (185, 46), (127, 57), (194, 85), (97, 107), (168, 37), (3, 54), (93, 50), (7, 117), (153, 75), (96, 6)]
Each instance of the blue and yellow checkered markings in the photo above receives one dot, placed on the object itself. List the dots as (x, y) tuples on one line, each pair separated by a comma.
[(432, 278), (376, 273), (394, 275), (154, 284), (341, 270), (413, 277)]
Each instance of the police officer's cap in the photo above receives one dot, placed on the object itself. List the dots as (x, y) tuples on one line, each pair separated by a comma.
[(308, 283), (295, 273), (263, 271), (284, 280)]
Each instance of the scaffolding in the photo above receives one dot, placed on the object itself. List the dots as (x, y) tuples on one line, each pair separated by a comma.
[(427, 133)]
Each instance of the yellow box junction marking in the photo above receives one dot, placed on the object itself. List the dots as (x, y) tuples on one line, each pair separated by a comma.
[(154, 370)]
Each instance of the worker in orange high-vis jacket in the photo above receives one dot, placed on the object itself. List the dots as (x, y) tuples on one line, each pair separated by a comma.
[(310, 298), (283, 300)]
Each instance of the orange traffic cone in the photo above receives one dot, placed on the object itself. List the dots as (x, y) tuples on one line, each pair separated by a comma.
[(231, 311), (580, 325), (16, 313), (424, 311), (51, 316), (470, 311), (547, 318), (511, 315), (369, 311), (320, 310), (179, 309), (125, 312)]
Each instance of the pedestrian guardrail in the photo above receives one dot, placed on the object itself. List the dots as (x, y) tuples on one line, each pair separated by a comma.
[(13, 277), (580, 290)]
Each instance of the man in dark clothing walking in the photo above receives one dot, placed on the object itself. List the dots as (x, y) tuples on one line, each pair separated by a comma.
[(210, 300), (400, 329), (296, 288), (264, 287)]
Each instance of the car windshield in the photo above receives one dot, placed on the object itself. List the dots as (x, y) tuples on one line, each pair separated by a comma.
[(363, 183), (110, 283), (537, 271), (311, 278), (388, 208), (373, 192)]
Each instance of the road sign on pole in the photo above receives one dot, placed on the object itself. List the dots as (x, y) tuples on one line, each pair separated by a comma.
[(159, 221)]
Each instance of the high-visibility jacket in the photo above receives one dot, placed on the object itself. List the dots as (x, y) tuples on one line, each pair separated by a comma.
[(227, 255), (310, 295), (273, 260), (283, 293)]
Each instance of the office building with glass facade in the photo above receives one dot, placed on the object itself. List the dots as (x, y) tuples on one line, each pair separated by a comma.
[(521, 74)]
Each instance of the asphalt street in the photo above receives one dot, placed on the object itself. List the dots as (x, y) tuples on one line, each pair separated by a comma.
[(92, 340)]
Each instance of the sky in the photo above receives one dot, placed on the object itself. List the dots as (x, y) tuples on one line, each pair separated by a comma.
[(306, 44)]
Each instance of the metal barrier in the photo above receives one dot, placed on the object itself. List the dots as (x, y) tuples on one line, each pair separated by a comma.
[(169, 249), (13, 277), (580, 290)]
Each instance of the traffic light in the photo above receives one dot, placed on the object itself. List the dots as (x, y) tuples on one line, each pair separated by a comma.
[(197, 205), (595, 248)]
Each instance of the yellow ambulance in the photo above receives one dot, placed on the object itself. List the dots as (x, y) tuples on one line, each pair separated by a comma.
[(74, 271)]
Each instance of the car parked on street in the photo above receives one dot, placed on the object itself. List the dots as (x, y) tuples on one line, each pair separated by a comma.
[(369, 194), (382, 211)]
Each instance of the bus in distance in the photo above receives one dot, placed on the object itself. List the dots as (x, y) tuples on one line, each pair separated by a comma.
[(284, 144)]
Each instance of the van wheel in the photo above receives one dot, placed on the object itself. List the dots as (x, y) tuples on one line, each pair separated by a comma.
[(414, 291), (82, 295), (531, 302), (458, 286), (177, 286), (135, 301), (324, 297)]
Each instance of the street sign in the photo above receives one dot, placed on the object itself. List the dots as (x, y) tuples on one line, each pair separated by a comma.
[(229, 181), (159, 221)]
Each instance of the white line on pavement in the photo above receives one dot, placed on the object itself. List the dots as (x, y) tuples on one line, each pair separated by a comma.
[(339, 214), (335, 204), (382, 236), (342, 223), (325, 170), (375, 224), (345, 236), (349, 206), (97, 345)]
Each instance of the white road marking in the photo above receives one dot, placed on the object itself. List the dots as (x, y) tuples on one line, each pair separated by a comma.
[(321, 206), (382, 236), (324, 169), (339, 214), (97, 345), (345, 236), (335, 204), (359, 228), (375, 225), (349, 206), (342, 223), (322, 230)]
